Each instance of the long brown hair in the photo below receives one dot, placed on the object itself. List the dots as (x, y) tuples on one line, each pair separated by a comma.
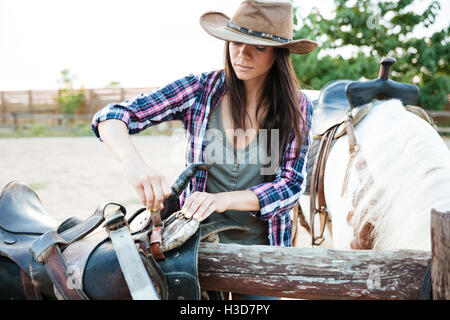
[(280, 94)]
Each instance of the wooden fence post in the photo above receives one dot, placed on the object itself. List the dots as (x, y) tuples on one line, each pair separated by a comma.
[(440, 254), (15, 121), (90, 104), (4, 106), (30, 105)]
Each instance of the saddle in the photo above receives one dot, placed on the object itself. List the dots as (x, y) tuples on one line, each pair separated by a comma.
[(339, 97), (341, 105), (41, 258)]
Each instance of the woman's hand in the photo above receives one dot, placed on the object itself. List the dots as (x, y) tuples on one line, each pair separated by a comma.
[(151, 187), (200, 205)]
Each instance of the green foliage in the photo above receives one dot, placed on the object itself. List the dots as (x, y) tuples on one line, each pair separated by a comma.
[(70, 100), (113, 84), (373, 30)]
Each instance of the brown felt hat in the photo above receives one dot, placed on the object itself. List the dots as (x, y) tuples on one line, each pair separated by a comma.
[(261, 23)]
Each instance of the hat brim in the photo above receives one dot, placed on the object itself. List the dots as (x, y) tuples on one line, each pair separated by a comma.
[(215, 24)]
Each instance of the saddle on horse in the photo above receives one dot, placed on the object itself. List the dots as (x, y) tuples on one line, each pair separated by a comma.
[(147, 256), (341, 105)]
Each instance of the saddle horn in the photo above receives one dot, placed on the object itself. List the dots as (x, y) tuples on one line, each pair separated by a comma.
[(362, 92), (385, 68), (183, 179), (171, 204)]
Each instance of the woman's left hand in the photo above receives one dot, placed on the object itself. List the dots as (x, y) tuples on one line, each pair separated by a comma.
[(200, 205)]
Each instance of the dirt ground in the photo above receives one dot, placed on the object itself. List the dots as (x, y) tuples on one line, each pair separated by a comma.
[(73, 176)]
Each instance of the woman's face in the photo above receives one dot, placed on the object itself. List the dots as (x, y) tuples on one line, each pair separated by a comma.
[(251, 62)]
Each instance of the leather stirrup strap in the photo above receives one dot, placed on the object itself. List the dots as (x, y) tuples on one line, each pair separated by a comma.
[(317, 187), (313, 186), (353, 149), (156, 235), (136, 276), (57, 271)]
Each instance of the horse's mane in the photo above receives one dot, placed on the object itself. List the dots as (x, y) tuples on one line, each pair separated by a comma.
[(410, 166)]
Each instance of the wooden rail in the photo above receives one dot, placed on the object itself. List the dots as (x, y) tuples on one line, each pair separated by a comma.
[(315, 273), (45, 101), (312, 273)]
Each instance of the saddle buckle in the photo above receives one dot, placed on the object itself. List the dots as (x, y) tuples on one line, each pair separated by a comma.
[(114, 220)]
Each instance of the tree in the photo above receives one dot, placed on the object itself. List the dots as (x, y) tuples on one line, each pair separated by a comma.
[(373, 30), (70, 100)]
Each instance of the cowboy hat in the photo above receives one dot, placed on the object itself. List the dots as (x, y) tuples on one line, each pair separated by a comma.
[(261, 23)]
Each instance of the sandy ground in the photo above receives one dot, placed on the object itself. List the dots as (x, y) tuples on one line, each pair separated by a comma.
[(73, 176)]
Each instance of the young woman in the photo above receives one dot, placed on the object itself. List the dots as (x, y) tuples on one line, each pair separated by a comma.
[(256, 93)]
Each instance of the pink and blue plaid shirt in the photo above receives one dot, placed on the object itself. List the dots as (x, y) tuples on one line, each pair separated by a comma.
[(191, 100)]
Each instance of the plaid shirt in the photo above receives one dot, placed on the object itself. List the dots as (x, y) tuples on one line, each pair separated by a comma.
[(191, 100)]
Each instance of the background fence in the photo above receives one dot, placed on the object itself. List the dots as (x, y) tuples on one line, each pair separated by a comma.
[(21, 109)]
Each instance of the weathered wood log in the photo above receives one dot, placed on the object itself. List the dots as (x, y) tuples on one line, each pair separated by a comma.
[(440, 252), (312, 273)]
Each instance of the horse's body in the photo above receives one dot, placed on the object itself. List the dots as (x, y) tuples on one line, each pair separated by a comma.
[(387, 206)]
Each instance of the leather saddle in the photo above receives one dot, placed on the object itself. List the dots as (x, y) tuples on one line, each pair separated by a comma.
[(90, 266), (339, 97)]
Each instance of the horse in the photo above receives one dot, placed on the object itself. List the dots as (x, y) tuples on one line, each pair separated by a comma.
[(380, 196)]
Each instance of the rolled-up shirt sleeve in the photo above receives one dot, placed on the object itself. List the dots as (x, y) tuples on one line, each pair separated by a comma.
[(278, 197), (148, 109)]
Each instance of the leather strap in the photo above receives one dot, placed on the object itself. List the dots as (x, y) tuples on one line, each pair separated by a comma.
[(31, 291), (155, 242), (313, 187), (68, 236), (56, 269), (317, 187), (353, 149), (352, 144), (138, 280), (156, 235)]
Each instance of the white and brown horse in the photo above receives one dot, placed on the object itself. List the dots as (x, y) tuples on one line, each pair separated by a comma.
[(382, 198)]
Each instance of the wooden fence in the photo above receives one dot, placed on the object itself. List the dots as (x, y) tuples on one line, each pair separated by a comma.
[(19, 109), (22, 108), (316, 273)]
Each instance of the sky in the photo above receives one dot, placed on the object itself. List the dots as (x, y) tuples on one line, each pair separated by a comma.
[(138, 43)]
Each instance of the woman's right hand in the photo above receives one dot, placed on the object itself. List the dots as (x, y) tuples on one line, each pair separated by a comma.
[(151, 186)]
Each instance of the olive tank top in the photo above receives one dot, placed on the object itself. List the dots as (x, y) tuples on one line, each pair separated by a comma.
[(232, 170)]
